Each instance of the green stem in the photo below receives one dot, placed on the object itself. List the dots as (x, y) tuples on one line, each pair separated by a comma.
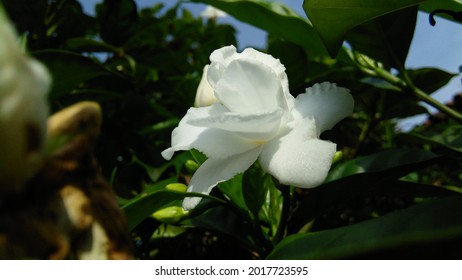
[(441, 107), (420, 94), (285, 192)]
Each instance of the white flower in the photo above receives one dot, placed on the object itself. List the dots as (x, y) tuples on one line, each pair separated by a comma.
[(257, 118), (24, 83), (204, 93), (212, 12)]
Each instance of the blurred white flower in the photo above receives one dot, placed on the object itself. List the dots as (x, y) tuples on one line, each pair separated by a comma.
[(24, 83), (257, 118), (212, 12), (204, 93)]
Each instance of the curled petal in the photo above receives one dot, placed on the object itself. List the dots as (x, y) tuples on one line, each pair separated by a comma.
[(298, 158), (250, 87), (214, 171), (214, 143), (221, 59), (268, 60), (210, 141), (326, 102), (257, 127)]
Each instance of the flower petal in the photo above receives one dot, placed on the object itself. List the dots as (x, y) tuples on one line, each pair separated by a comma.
[(214, 171), (221, 58), (219, 61), (299, 158), (250, 87), (204, 94), (325, 101), (213, 142), (259, 126)]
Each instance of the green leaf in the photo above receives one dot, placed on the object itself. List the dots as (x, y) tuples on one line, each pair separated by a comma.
[(402, 188), (199, 157), (359, 177), (90, 45), (294, 59), (255, 185), (436, 220), (334, 18), (276, 18), (272, 208), (450, 138), (118, 19), (452, 5), (430, 79), (69, 70), (387, 38), (389, 163), (233, 190), (400, 105), (142, 207)]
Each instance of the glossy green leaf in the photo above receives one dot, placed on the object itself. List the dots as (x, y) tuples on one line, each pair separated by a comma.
[(401, 105), (432, 221), (275, 18), (233, 190), (402, 188), (389, 163), (255, 185), (272, 208), (294, 59), (69, 70), (334, 18), (432, 5), (359, 177), (450, 138), (387, 38), (430, 79), (199, 157)]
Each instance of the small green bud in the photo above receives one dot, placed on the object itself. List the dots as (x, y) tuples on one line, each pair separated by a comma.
[(338, 156), (191, 165), (170, 214), (178, 187)]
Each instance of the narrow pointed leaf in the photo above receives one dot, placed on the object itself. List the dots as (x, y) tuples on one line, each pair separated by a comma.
[(450, 138), (430, 79)]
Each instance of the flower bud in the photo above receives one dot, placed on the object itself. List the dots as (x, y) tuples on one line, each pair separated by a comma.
[(178, 187), (170, 214), (338, 156), (204, 94), (191, 165), (24, 83)]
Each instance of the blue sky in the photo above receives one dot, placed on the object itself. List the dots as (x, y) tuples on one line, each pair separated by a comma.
[(432, 46)]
